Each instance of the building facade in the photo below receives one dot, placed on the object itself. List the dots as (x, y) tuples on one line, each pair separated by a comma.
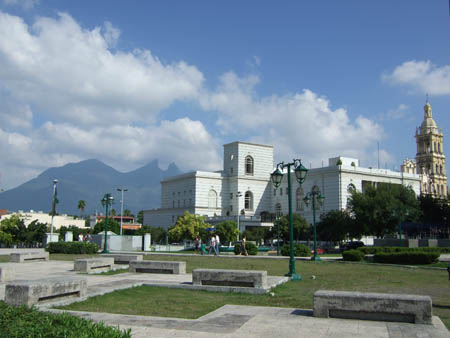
[(243, 189), (41, 217)]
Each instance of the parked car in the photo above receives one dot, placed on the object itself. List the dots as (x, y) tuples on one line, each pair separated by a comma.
[(352, 245)]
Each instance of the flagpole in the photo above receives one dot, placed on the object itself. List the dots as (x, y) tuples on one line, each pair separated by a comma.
[(53, 208)]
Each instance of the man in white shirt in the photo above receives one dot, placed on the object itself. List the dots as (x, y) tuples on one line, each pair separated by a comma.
[(217, 244), (212, 244)]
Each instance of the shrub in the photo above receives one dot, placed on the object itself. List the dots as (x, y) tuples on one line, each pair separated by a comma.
[(72, 247), (28, 322), (252, 249), (387, 249), (300, 250), (353, 255), (407, 257)]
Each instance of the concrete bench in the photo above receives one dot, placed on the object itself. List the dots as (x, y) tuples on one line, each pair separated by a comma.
[(170, 267), (373, 306), (44, 290), (22, 257), (243, 278), (93, 264), (124, 259), (7, 273)]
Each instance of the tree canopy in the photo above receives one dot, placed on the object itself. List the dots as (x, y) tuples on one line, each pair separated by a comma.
[(113, 226), (227, 231), (302, 230), (377, 210), (187, 227), (335, 226)]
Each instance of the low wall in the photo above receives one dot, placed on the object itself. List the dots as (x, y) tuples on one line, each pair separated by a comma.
[(407, 243), (119, 243)]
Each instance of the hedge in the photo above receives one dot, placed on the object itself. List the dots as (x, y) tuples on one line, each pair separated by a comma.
[(407, 257), (372, 250), (72, 247), (252, 249), (25, 322), (300, 250), (353, 255)]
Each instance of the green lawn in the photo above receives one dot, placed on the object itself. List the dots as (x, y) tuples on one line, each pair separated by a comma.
[(328, 275)]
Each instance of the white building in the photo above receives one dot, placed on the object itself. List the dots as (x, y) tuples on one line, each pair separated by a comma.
[(41, 217), (246, 173)]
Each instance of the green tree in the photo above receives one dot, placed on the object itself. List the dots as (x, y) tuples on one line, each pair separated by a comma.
[(76, 231), (158, 234), (113, 226), (140, 217), (335, 226), (81, 206), (113, 212), (5, 235), (187, 227), (302, 230), (377, 209), (227, 231), (257, 234), (127, 212)]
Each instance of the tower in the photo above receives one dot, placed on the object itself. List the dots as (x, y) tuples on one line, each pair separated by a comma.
[(430, 158)]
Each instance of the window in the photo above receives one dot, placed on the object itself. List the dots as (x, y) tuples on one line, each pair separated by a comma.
[(212, 199), (249, 165), (300, 205), (248, 200), (231, 170), (231, 195), (351, 187), (278, 209), (231, 208)]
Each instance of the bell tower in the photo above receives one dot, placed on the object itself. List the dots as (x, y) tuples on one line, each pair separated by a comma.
[(430, 158)]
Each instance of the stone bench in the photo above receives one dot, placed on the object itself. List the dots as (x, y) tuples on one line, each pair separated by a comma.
[(373, 306), (7, 273), (22, 257), (90, 265), (124, 259), (44, 290), (170, 267), (242, 278)]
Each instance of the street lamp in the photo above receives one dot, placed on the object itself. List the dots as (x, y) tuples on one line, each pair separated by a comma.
[(277, 176), (107, 200), (121, 208), (238, 194), (55, 200), (318, 198)]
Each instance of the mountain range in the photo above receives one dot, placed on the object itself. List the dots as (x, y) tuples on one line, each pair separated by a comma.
[(89, 180)]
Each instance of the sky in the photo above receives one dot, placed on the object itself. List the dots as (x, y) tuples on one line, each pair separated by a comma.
[(127, 82)]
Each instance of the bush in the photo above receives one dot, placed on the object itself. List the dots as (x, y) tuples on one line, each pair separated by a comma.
[(252, 250), (27, 322), (72, 247), (407, 257), (300, 250), (353, 255), (387, 249)]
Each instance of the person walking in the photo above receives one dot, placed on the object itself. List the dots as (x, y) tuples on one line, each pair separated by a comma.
[(212, 244), (217, 244), (243, 248), (197, 243)]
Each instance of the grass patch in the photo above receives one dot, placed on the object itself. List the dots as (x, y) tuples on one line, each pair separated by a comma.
[(329, 276), (113, 272)]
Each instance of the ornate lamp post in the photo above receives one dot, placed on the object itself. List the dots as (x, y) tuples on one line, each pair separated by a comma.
[(277, 176), (55, 201), (107, 200), (316, 197), (277, 218), (238, 194)]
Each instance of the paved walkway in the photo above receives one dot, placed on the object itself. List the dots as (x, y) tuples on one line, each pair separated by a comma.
[(227, 321)]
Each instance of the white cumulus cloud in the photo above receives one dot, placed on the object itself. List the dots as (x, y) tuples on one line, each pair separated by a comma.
[(421, 76)]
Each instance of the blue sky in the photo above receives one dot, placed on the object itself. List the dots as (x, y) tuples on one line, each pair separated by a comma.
[(130, 81)]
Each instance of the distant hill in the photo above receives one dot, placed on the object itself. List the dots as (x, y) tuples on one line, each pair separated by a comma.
[(89, 180)]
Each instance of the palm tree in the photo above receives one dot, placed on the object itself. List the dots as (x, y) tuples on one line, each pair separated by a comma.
[(81, 206)]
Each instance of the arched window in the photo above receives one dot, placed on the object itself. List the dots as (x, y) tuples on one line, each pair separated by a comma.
[(249, 165), (248, 200), (299, 195), (278, 209), (350, 188), (212, 199), (424, 188)]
